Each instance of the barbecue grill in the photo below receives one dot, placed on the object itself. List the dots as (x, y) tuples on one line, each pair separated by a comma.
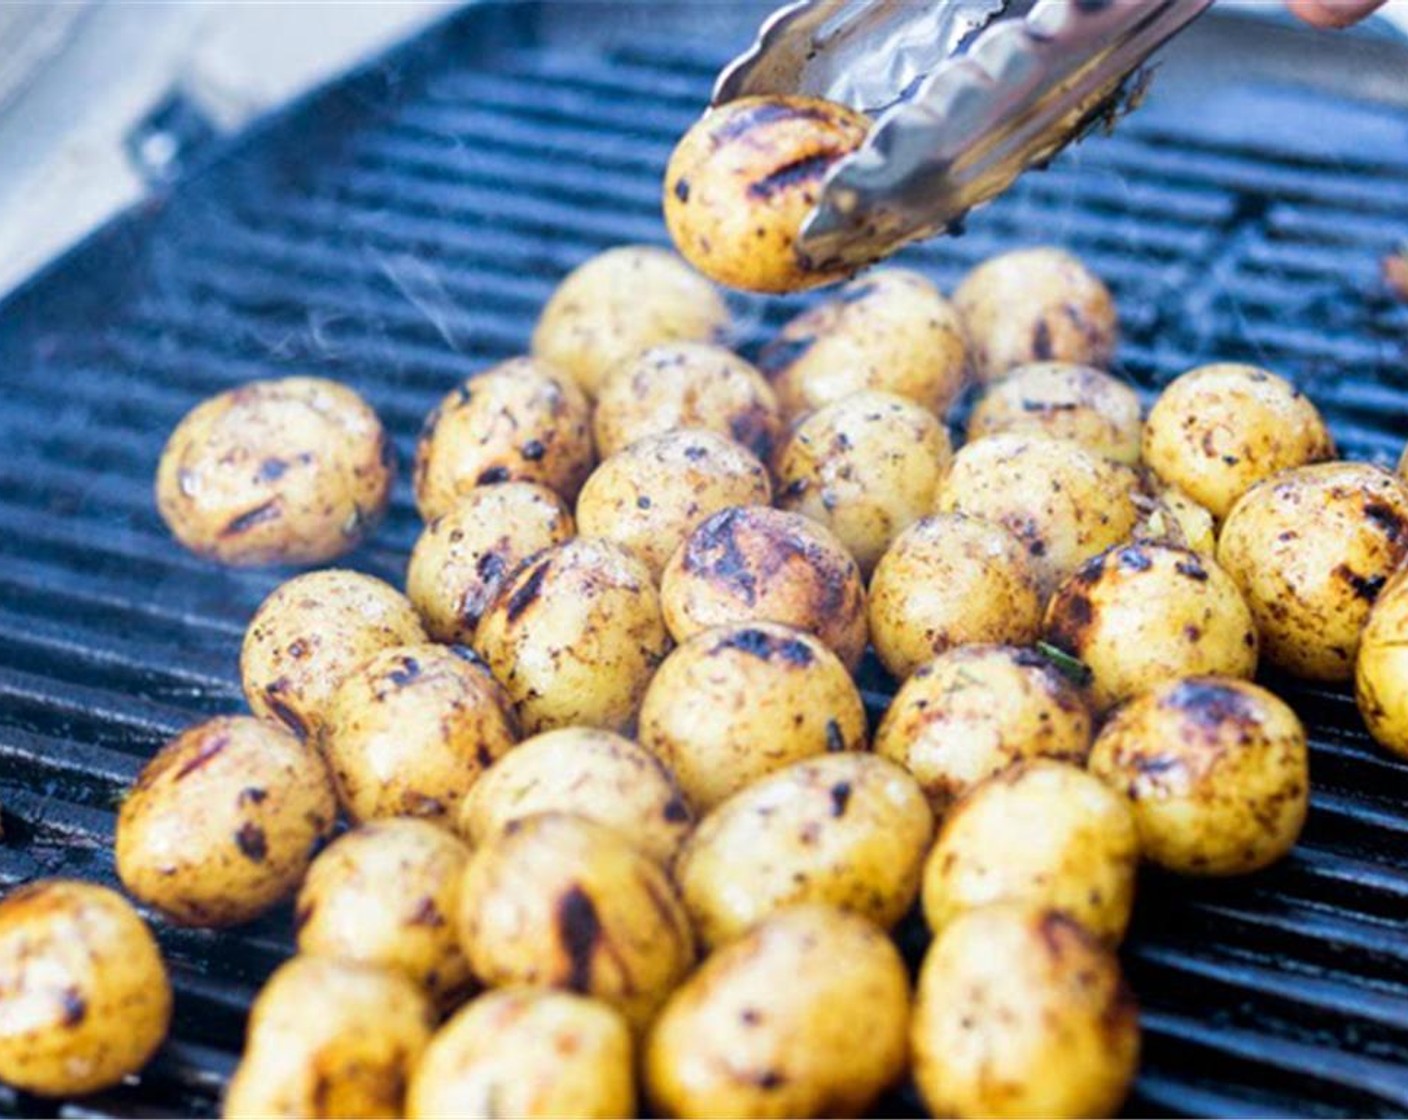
[(400, 229)]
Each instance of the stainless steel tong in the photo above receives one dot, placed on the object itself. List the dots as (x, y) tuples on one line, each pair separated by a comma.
[(967, 94)]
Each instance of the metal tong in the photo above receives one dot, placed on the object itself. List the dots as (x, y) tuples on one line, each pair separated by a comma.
[(967, 94)]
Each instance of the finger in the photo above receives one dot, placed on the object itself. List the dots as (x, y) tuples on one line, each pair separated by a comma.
[(1333, 13)]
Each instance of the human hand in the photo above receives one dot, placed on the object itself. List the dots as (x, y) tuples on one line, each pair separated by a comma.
[(1333, 13)]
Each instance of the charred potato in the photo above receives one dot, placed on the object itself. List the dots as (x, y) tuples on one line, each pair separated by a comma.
[(648, 496), (890, 331), (1217, 772), (1141, 614), (754, 564), (1021, 1012), (410, 730), (558, 901), (805, 1015), (223, 821), (330, 1039), (1035, 305), (687, 385), (84, 997), (951, 580), (1381, 669), (386, 894), (294, 471), (741, 181), (309, 634), (575, 636), (1311, 549), (1041, 832), (850, 830), (463, 557), (1218, 430), (737, 702), (1066, 401), (518, 421), (1181, 520), (866, 467), (974, 711), (527, 1053)]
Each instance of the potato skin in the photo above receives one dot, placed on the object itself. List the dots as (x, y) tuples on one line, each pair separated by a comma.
[(649, 496), (866, 467), (1216, 770), (492, 1060), (1021, 1012), (850, 830), (84, 996), (951, 580), (973, 711), (309, 634), (1219, 429), (1140, 614), (329, 1039), (620, 303), (751, 563), (1043, 832), (743, 178), (890, 331), (687, 385), (223, 821), (559, 901), (805, 1015), (575, 636), (386, 894), (1063, 400), (1187, 523), (410, 730), (1311, 549), (520, 420), (734, 703), (292, 471), (462, 557), (1381, 669)]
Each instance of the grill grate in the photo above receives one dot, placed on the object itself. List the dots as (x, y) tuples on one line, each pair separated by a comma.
[(402, 229)]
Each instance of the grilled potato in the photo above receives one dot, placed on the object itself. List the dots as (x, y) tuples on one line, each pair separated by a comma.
[(1065, 401), (1381, 669), (1183, 522)]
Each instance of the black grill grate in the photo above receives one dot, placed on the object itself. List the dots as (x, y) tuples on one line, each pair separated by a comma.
[(402, 230)]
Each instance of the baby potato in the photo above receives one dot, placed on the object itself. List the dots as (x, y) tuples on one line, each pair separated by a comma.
[(575, 636), (518, 421), (890, 331), (463, 557), (687, 385), (1140, 614), (1180, 520), (84, 997), (737, 702), (292, 471), (309, 634), (1021, 1012), (1218, 430), (1042, 832), (975, 710), (327, 1039), (527, 1053), (804, 1015), (410, 730), (1381, 669), (1035, 305), (951, 580), (648, 496), (582, 770), (559, 901), (850, 830), (754, 564), (1311, 549), (866, 467), (386, 894), (223, 821), (1217, 772), (742, 180), (1064, 400), (1064, 503)]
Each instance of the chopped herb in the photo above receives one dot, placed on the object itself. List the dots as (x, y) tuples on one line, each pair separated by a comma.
[(1074, 670)]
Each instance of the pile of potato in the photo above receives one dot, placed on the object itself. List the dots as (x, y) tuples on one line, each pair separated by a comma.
[(616, 820)]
